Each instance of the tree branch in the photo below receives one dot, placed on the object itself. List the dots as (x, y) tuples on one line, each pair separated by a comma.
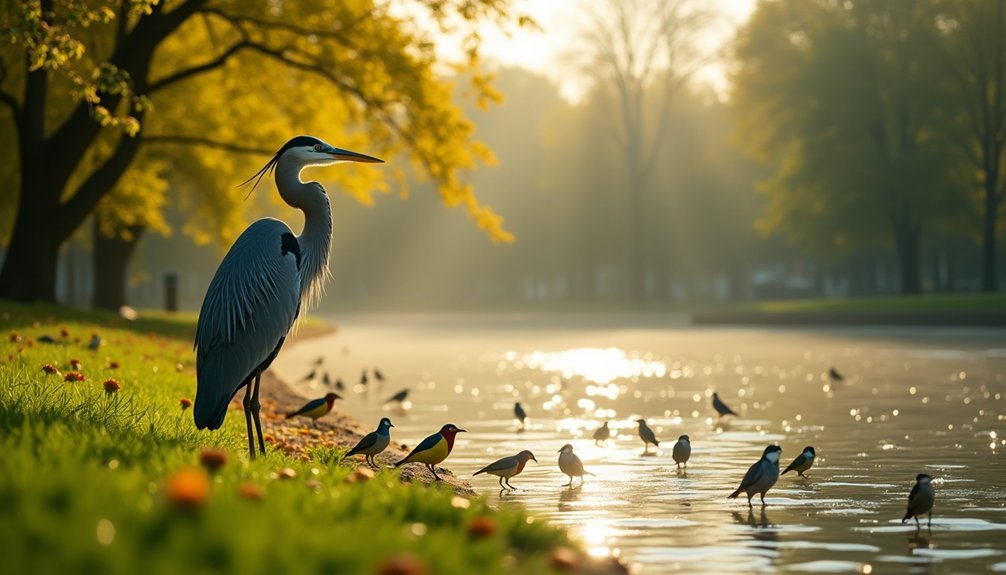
[(184, 73), (179, 139), (6, 98)]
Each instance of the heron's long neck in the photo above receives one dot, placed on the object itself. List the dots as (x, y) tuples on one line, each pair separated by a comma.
[(316, 239)]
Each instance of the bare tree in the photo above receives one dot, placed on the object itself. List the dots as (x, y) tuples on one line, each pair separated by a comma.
[(644, 52)]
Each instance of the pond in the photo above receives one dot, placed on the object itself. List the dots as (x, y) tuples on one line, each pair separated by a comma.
[(916, 400)]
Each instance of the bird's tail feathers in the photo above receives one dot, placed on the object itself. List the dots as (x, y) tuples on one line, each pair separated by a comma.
[(734, 494), (585, 472), (906, 517)]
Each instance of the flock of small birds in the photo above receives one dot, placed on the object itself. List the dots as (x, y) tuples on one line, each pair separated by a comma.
[(433, 450)]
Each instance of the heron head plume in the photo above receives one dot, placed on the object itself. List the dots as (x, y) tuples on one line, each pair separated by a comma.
[(308, 151)]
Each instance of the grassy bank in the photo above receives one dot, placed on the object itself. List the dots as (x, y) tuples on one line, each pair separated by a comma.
[(108, 475)]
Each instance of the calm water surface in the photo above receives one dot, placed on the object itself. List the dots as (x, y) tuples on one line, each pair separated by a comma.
[(914, 400)]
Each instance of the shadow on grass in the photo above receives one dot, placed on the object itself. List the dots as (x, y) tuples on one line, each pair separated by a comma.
[(18, 315)]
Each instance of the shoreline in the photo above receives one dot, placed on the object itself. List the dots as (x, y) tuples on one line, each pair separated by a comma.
[(920, 318)]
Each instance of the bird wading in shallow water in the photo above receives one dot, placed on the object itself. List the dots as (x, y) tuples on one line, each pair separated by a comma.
[(720, 407), (508, 467), (602, 434), (434, 449), (682, 451), (570, 464), (398, 397), (263, 283), (519, 413), (835, 376), (316, 408), (374, 442), (920, 500), (761, 476), (803, 462), (647, 435)]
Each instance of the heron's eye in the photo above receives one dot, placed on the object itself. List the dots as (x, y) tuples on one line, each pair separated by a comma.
[(317, 147)]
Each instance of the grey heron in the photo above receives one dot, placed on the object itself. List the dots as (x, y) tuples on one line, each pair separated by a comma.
[(261, 286)]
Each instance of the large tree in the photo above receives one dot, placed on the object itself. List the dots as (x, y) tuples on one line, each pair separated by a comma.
[(845, 101), (80, 81)]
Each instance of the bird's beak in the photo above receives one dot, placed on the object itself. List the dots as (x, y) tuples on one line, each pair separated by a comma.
[(535, 460), (391, 425), (347, 156), (461, 431), (559, 451)]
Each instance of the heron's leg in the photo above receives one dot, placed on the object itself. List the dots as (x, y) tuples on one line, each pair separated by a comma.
[(508, 484), (917, 524), (248, 420), (256, 406)]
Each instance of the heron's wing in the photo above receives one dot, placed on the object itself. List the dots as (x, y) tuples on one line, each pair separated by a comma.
[(499, 465), (367, 442), (800, 460), (249, 308), (915, 491), (752, 476)]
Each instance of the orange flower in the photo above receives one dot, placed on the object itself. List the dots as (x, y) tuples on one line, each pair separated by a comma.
[(113, 365), (563, 559), (15, 337), (63, 332), (481, 526), (188, 488), (74, 376), (250, 491), (75, 363), (111, 386), (50, 369), (186, 403), (402, 564), (212, 459)]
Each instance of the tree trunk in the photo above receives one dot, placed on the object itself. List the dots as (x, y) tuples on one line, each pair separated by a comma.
[(29, 270), (637, 267), (906, 241), (990, 277), (111, 261)]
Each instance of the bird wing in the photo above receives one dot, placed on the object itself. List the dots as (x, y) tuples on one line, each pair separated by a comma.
[(425, 445), (914, 492), (249, 308), (366, 443), (648, 435), (800, 460), (752, 477), (309, 406), (500, 465)]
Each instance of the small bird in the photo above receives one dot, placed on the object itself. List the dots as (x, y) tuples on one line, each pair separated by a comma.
[(508, 467), (835, 376), (374, 442), (646, 434), (339, 385), (319, 360), (921, 499), (720, 407), (803, 462), (519, 413), (571, 465), (682, 451), (399, 397), (326, 379), (310, 376), (761, 476), (434, 449), (316, 407), (46, 338), (95, 342), (363, 378), (602, 434), (378, 375)]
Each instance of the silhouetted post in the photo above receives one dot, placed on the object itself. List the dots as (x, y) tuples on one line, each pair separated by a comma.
[(171, 292)]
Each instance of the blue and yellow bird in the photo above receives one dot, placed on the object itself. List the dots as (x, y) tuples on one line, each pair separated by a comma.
[(374, 442), (434, 449), (316, 407)]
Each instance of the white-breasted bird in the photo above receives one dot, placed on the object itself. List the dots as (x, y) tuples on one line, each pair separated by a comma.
[(921, 499), (761, 476), (268, 279), (602, 434), (519, 413), (570, 464), (720, 407), (682, 451), (803, 462), (374, 442), (508, 467), (647, 435)]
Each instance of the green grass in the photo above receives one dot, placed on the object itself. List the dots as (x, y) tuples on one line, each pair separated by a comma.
[(84, 475), (918, 303)]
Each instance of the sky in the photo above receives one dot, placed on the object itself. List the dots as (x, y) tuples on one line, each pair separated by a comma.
[(551, 51)]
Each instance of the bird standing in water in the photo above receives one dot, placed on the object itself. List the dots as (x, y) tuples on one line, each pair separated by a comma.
[(434, 449), (316, 408), (682, 451), (570, 464), (519, 413), (720, 407), (761, 476), (921, 499), (647, 435), (374, 442), (265, 281), (508, 467), (835, 376), (399, 397), (602, 434), (803, 462)]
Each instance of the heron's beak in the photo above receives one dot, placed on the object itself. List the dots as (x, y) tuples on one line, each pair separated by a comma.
[(347, 156)]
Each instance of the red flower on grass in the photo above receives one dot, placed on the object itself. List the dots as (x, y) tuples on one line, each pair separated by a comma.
[(188, 488), (74, 376), (186, 403), (50, 369), (111, 386)]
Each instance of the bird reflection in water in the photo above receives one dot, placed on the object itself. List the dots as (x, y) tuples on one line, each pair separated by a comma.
[(763, 532), (568, 496)]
